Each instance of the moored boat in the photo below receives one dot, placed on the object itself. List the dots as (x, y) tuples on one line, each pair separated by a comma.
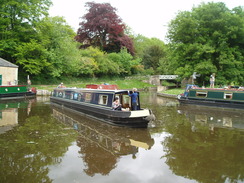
[(219, 97), (97, 103), (16, 92)]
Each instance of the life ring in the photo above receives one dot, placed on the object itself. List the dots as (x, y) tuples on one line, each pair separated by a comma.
[(60, 94)]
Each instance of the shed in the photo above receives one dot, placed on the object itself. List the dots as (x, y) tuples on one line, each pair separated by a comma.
[(8, 73)]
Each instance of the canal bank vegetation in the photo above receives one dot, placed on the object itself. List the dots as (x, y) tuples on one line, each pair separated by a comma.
[(123, 83), (207, 39), (175, 91)]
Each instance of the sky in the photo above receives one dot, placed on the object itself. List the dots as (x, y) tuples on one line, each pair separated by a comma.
[(149, 18)]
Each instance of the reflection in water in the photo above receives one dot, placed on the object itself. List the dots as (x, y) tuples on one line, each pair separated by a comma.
[(101, 145), (205, 145), (36, 142), (9, 112), (214, 117), (184, 144)]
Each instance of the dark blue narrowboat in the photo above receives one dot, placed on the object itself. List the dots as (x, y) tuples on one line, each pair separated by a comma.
[(219, 97), (97, 103)]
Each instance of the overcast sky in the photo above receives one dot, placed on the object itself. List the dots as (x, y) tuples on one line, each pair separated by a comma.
[(147, 17)]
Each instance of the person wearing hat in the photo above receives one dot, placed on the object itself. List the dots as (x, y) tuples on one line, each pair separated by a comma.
[(134, 96), (61, 85), (116, 104)]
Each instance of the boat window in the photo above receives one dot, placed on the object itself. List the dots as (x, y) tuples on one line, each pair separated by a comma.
[(125, 101), (75, 96), (88, 97), (67, 95), (103, 99), (228, 95), (201, 94)]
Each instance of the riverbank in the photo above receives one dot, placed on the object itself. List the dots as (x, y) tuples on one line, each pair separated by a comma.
[(171, 93), (121, 83)]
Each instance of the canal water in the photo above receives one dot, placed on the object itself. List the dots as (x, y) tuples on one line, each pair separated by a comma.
[(40, 143)]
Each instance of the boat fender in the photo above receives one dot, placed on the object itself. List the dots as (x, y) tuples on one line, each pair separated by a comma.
[(179, 96), (151, 117)]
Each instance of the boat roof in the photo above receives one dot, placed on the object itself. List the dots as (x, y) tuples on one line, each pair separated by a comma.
[(217, 89), (91, 90)]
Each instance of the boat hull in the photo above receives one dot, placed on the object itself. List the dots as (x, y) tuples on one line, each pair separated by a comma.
[(139, 118), (8, 96), (211, 102)]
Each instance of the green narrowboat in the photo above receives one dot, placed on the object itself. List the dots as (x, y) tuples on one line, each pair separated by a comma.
[(15, 92), (219, 97)]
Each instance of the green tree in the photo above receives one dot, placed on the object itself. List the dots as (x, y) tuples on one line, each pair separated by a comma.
[(127, 64), (53, 53), (17, 23), (209, 39), (152, 53), (98, 62), (63, 53), (32, 56)]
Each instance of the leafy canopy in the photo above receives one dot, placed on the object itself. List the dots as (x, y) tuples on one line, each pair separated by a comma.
[(101, 27), (209, 39)]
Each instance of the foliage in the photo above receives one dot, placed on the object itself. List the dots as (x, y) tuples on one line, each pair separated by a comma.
[(101, 27), (123, 83), (56, 52), (32, 56), (152, 52), (17, 23), (208, 39), (175, 91), (125, 61)]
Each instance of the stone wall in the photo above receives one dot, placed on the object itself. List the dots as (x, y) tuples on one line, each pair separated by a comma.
[(9, 75), (154, 80)]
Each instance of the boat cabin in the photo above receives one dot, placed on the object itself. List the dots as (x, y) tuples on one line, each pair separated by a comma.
[(193, 91), (101, 97)]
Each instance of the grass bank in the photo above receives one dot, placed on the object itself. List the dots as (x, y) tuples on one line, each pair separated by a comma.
[(121, 82), (175, 91)]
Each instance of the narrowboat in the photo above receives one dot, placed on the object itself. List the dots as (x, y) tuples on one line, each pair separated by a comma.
[(16, 92), (97, 103), (218, 97)]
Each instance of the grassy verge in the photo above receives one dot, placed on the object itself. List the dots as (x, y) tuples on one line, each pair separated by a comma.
[(175, 91), (122, 83)]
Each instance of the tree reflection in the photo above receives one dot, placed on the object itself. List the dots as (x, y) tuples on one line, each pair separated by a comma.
[(97, 159), (102, 145), (196, 151), (28, 149)]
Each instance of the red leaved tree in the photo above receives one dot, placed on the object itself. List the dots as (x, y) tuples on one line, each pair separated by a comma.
[(101, 27)]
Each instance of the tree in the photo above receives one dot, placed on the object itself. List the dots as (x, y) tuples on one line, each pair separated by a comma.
[(101, 27), (96, 62), (54, 52), (17, 23), (152, 52), (209, 39), (152, 56)]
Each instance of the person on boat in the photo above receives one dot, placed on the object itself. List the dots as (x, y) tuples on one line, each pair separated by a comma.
[(61, 85), (134, 96), (212, 80), (116, 104)]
